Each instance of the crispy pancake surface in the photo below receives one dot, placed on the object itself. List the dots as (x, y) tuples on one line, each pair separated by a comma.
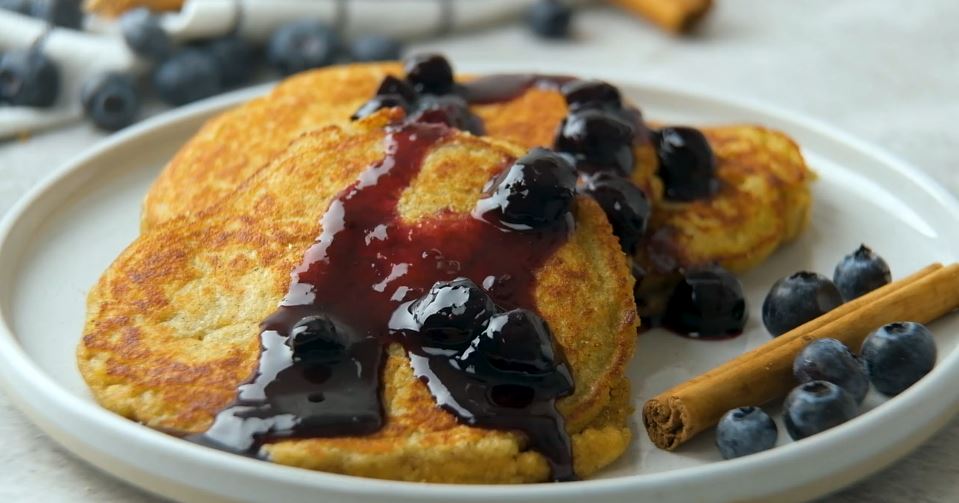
[(173, 324), (234, 145)]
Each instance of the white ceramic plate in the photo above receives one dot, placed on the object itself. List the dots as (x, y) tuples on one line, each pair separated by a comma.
[(58, 239)]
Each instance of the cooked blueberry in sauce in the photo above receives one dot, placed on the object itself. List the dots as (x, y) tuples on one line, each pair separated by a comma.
[(625, 204), (448, 109), (517, 343), (380, 102), (536, 191), (707, 303), (600, 137), (687, 165), (394, 85), (429, 73), (591, 94), (315, 339), (452, 312)]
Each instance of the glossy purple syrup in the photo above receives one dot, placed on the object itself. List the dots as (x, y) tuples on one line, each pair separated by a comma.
[(508, 86), (366, 265)]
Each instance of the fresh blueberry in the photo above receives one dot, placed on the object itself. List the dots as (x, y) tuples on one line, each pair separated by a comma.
[(110, 100), (301, 45), (860, 272), (600, 137), (316, 339), (18, 6), (28, 78), (626, 206), (816, 406), (144, 35), (745, 431), (549, 18), (375, 48), (393, 85), (830, 360), (449, 109), (234, 57), (452, 312), (188, 76), (707, 303), (63, 13), (687, 165), (536, 191), (429, 73), (796, 299), (378, 103), (897, 355), (591, 94)]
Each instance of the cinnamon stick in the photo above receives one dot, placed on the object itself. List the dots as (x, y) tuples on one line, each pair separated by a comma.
[(765, 373), (676, 16)]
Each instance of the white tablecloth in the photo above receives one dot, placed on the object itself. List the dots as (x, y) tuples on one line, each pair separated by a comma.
[(885, 70)]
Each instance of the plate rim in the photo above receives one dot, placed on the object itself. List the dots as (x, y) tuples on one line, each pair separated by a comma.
[(19, 366)]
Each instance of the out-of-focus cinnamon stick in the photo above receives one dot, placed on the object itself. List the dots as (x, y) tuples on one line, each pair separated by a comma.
[(765, 373), (672, 15), (113, 8)]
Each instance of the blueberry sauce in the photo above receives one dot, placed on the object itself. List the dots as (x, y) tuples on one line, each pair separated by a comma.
[(687, 164), (322, 351), (508, 86)]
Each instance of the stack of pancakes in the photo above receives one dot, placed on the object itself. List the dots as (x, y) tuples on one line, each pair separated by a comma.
[(173, 324)]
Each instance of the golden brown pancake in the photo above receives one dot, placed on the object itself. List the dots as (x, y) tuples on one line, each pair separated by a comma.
[(172, 326)]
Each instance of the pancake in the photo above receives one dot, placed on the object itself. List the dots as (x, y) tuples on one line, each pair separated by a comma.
[(763, 202), (172, 325)]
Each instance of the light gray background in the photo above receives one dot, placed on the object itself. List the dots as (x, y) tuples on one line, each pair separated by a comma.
[(886, 71)]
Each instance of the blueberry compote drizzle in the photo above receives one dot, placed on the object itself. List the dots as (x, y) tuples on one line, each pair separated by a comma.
[(322, 350), (499, 88)]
